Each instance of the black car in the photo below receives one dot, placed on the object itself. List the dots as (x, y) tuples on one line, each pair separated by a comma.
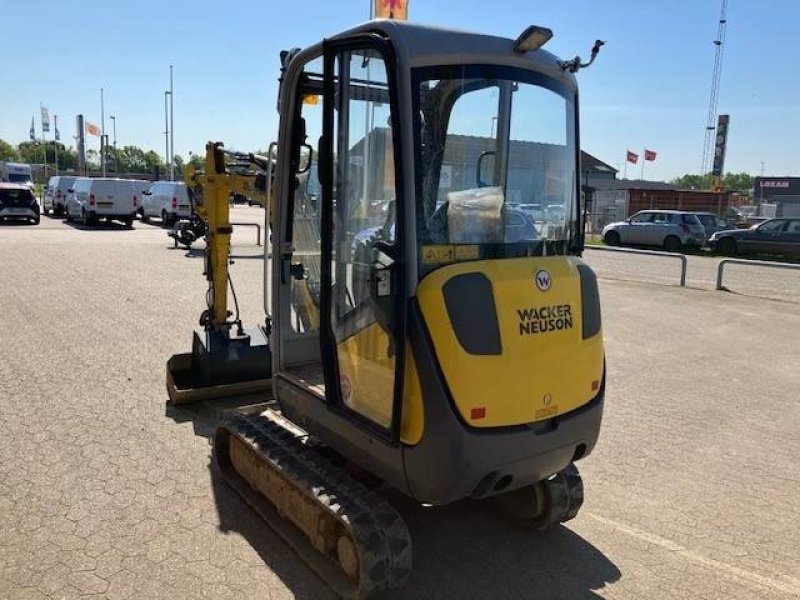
[(773, 236), (18, 202)]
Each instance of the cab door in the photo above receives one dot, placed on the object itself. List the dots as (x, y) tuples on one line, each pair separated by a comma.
[(362, 312)]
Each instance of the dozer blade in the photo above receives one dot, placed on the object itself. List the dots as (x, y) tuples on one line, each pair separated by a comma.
[(349, 535)]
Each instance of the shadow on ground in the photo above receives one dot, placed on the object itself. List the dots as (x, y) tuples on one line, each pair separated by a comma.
[(200, 253), (460, 551), (99, 226)]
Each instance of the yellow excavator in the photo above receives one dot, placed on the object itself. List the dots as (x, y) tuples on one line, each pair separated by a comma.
[(426, 330)]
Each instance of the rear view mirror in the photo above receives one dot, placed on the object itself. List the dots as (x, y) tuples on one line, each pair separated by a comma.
[(484, 171), (306, 158)]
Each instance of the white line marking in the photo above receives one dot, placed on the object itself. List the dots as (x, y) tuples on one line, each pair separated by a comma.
[(790, 585)]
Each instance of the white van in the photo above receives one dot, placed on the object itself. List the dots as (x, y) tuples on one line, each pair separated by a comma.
[(166, 200), (140, 187), (101, 198), (55, 197), (16, 173)]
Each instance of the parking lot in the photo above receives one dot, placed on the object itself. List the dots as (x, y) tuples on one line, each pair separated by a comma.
[(692, 492)]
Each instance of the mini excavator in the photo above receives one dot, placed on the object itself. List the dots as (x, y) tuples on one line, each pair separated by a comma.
[(424, 332)]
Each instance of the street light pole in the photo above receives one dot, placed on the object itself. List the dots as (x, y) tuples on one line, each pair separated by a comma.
[(116, 160), (102, 134), (171, 129), (166, 127)]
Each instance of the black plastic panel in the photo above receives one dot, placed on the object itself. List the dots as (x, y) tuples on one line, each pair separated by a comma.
[(470, 304), (590, 302)]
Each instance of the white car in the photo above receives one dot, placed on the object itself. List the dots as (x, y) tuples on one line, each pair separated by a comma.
[(101, 198), (18, 202), (55, 197), (166, 200), (670, 229)]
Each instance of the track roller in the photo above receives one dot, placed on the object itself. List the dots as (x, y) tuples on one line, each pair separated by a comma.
[(545, 504), (349, 535)]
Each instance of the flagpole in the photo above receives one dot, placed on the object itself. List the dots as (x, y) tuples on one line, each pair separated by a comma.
[(44, 143), (102, 134), (625, 166), (55, 136), (644, 159)]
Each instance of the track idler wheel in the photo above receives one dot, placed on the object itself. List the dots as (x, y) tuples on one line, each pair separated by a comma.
[(545, 504)]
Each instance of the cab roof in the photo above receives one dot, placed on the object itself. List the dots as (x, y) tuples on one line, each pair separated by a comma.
[(426, 45)]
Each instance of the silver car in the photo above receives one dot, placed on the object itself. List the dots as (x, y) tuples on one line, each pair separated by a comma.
[(671, 230)]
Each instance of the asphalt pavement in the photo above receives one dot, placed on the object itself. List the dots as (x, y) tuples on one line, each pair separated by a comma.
[(105, 491)]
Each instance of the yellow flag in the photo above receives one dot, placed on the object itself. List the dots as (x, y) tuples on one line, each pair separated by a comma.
[(391, 9)]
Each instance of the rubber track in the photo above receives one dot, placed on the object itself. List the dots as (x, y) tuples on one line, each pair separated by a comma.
[(379, 533)]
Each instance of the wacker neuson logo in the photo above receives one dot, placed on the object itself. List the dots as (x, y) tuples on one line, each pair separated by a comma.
[(544, 318)]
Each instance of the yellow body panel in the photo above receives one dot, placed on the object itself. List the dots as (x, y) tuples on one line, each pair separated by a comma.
[(545, 368), (367, 372)]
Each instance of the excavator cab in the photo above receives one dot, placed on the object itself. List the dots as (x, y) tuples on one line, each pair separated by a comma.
[(431, 322), (457, 350)]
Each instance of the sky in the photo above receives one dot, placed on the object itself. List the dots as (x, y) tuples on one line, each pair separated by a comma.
[(649, 87)]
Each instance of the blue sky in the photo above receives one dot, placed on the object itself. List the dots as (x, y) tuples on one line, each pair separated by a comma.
[(649, 87)]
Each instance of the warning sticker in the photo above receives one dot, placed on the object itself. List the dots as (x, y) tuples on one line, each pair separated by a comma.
[(470, 252), (437, 254), (449, 253)]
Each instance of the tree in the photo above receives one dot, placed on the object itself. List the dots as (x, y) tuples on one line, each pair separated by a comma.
[(179, 165), (730, 182), (34, 152), (197, 160), (8, 152)]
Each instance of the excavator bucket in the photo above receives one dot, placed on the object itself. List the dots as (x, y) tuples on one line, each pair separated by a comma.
[(220, 366)]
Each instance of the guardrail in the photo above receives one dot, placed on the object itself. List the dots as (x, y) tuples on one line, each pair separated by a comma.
[(680, 257), (256, 225), (751, 263)]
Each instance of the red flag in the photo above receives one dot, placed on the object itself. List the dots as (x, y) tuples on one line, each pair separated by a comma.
[(649, 155), (391, 9), (92, 129), (632, 158)]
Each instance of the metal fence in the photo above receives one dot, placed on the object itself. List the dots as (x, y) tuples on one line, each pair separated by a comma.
[(750, 263)]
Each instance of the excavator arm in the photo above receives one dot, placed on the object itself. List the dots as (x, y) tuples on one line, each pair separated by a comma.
[(226, 358), (225, 173)]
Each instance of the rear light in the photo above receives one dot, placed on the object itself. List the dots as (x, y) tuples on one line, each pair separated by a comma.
[(134, 201), (174, 203), (91, 199), (477, 413)]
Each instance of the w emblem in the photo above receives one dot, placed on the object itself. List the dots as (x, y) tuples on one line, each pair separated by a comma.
[(543, 280)]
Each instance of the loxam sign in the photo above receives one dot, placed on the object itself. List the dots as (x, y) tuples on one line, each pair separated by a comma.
[(777, 186)]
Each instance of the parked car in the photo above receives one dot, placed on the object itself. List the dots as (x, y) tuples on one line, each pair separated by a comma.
[(534, 210), (166, 200), (55, 196), (18, 202), (774, 236), (93, 199), (711, 223), (670, 229), (555, 212), (519, 227)]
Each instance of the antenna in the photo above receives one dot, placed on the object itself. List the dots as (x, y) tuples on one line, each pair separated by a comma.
[(711, 121)]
